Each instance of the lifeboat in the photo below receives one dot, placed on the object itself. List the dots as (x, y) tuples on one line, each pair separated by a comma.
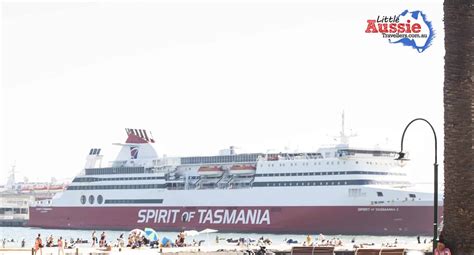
[(242, 170), (210, 171), (56, 187)]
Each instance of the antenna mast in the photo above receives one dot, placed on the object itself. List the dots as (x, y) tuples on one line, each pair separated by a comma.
[(344, 139)]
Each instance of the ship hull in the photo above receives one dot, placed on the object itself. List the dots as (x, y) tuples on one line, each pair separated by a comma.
[(361, 220)]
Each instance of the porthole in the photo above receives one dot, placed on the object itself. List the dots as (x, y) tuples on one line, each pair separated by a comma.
[(83, 199), (100, 199), (91, 199)]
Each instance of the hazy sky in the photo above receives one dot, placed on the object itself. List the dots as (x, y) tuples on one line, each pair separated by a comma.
[(205, 75)]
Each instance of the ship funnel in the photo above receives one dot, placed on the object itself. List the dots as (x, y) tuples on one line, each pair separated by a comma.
[(138, 136)]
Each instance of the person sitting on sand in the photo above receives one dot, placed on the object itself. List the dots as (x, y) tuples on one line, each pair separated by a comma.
[(441, 249)]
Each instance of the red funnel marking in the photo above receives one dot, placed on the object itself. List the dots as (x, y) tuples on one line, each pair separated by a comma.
[(135, 139)]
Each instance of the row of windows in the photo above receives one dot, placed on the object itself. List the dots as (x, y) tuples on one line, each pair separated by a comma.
[(115, 170), (375, 153), (323, 183), (134, 201), (328, 173), (221, 159), (100, 199), (93, 179), (331, 163), (100, 187), (14, 210)]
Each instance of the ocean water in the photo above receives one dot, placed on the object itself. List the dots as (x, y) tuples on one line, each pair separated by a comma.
[(29, 234)]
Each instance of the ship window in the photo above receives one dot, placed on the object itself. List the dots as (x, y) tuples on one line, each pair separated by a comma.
[(324, 173), (83, 199), (91, 199), (379, 194), (305, 174), (412, 195), (329, 173), (100, 199), (300, 174), (287, 174)]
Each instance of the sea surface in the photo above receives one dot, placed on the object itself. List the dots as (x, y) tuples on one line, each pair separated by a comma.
[(14, 236)]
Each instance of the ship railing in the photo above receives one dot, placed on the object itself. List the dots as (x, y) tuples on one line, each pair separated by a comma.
[(290, 157)]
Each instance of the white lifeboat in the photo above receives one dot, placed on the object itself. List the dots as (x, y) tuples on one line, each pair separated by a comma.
[(242, 170), (210, 171)]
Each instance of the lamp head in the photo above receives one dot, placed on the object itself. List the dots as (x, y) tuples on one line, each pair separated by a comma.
[(401, 156)]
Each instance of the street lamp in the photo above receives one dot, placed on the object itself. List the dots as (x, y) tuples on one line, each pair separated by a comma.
[(401, 156)]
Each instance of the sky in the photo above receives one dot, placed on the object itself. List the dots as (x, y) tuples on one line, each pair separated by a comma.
[(205, 75)]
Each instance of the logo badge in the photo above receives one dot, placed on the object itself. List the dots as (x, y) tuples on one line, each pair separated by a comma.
[(410, 29)]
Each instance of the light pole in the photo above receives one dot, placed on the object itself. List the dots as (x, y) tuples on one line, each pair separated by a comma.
[(401, 156)]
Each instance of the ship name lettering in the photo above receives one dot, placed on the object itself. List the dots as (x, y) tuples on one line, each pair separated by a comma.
[(157, 216), (221, 216)]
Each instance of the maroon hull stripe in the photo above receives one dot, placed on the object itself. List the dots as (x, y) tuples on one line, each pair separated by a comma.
[(403, 220)]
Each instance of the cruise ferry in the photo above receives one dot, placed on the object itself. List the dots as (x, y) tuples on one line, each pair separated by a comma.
[(335, 190)]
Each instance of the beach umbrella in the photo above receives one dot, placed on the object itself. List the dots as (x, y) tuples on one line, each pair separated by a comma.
[(207, 231), (137, 231), (151, 234), (191, 233), (165, 241)]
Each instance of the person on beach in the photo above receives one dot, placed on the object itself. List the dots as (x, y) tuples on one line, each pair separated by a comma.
[(38, 245), (441, 249), (309, 240), (94, 239), (102, 240), (49, 241), (60, 246), (23, 243), (3, 242)]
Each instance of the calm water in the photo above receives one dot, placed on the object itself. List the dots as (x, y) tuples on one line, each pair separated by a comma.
[(17, 233)]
